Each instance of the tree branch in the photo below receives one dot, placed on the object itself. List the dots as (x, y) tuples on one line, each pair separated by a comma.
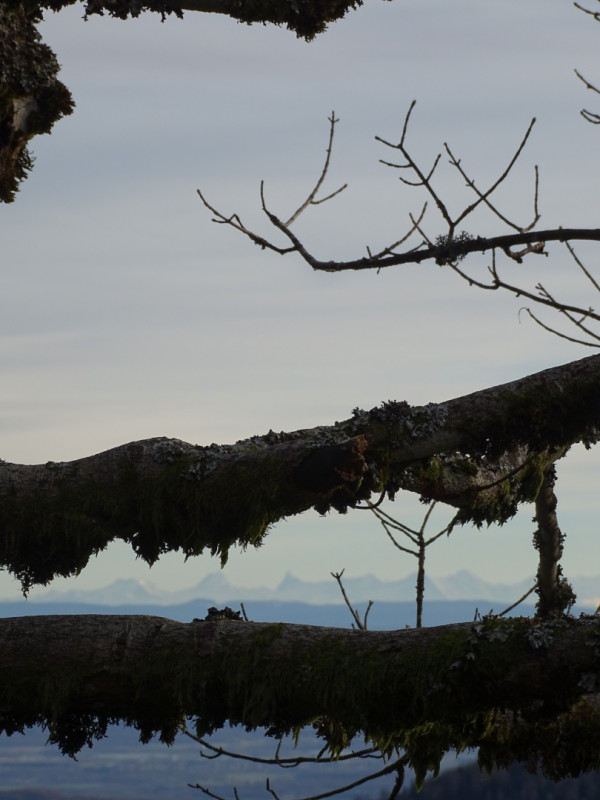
[(555, 593), (418, 690), (483, 453), (447, 249)]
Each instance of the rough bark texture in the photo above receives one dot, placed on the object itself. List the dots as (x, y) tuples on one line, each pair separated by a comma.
[(515, 688), (483, 453)]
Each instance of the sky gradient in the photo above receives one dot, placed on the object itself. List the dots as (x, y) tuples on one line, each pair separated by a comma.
[(126, 313)]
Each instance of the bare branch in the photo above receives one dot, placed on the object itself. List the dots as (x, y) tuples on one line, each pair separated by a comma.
[(421, 543), (395, 766), (558, 333), (483, 196), (235, 222), (415, 227), (310, 200), (519, 601), (592, 280), (540, 297), (423, 180), (589, 116), (280, 225), (447, 249), (584, 315), (588, 85), (594, 14), (286, 763), (360, 624), (205, 790)]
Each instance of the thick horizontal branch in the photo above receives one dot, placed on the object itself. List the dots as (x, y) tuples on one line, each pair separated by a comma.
[(483, 453), (455, 250), (423, 690)]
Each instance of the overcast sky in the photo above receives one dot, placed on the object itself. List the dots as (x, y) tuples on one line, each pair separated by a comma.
[(126, 313)]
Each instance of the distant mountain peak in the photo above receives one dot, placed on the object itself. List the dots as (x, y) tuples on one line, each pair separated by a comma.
[(215, 587)]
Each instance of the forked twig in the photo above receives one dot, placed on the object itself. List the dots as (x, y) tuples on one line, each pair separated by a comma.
[(417, 537), (394, 766), (483, 197), (361, 625), (589, 116), (277, 760), (310, 200)]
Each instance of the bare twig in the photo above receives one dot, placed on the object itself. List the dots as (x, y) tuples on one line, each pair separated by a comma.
[(577, 323), (483, 197), (395, 766), (594, 14), (277, 760), (310, 200), (579, 263), (589, 116), (205, 790), (423, 180), (519, 601), (235, 222), (447, 249), (417, 537), (360, 624), (391, 247)]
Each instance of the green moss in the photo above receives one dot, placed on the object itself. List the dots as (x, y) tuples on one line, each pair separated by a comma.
[(438, 697)]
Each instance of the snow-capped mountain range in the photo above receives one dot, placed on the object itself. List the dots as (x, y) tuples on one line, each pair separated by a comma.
[(461, 585)]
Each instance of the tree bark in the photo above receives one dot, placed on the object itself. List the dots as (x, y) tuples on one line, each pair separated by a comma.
[(483, 453), (423, 690)]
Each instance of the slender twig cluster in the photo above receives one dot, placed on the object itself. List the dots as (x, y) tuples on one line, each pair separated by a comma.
[(589, 116), (420, 542), (358, 624), (449, 249), (396, 765)]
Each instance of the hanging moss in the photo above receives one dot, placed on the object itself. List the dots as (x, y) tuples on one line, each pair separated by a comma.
[(456, 690), (31, 97)]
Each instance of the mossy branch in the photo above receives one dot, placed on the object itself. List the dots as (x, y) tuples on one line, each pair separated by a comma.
[(556, 595), (423, 691), (483, 453)]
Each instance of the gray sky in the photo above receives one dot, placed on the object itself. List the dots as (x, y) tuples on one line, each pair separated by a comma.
[(127, 314)]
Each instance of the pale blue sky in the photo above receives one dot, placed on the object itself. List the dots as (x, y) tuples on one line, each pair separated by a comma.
[(126, 313)]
